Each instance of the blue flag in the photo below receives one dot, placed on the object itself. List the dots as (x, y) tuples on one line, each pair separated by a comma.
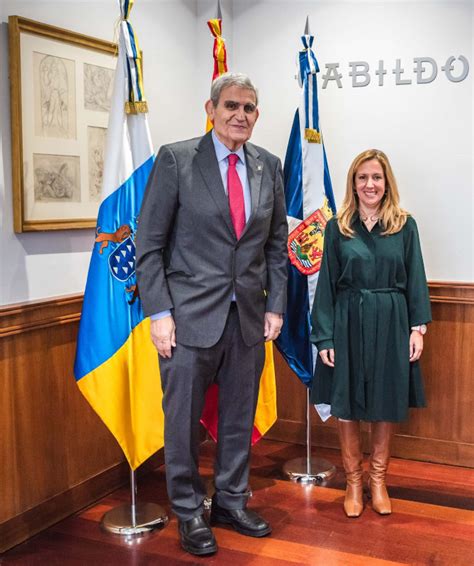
[(310, 204)]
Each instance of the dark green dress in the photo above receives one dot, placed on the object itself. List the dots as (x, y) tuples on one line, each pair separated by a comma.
[(371, 290)]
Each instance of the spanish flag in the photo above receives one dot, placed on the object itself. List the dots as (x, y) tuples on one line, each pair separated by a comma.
[(266, 414)]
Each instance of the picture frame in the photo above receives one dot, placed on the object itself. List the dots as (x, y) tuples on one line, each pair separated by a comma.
[(60, 87)]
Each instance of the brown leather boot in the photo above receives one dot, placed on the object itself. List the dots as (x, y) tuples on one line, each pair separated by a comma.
[(381, 435), (349, 437)]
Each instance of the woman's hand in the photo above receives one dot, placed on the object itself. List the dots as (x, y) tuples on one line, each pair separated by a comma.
[(328, 357), (416, 345)]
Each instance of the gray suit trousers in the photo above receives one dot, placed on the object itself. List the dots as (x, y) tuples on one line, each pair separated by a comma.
[(186, 376)]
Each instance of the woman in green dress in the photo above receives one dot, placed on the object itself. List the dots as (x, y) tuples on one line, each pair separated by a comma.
[(369, 316)]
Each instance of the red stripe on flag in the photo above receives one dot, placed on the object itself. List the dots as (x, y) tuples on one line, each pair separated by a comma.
[(209, 415)]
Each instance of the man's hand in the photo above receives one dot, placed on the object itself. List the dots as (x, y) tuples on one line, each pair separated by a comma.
[(416, 345), (328, 357), (273, 324), (163, 335)]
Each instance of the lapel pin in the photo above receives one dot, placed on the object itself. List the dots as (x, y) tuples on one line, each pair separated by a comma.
[(259, 167)]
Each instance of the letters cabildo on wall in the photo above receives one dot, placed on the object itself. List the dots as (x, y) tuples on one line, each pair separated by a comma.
[(61, 82), (425, 70)]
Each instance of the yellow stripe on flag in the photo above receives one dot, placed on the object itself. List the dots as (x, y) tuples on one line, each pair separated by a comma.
[(266, 414), (129, 400)]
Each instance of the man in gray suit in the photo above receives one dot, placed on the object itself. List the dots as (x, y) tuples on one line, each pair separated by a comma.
[(212, 271)]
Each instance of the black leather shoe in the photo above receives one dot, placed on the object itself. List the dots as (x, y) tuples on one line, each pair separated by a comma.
[(196, 536), (244, 521)]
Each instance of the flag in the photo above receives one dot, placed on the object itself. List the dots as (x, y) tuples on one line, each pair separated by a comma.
[(266, 413), (219, 54), (116, 365), (310, 204)]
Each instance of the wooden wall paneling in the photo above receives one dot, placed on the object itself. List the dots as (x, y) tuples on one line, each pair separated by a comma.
[(9, 484), (444, 431), (56, 455), (447, 366), (291, 402)]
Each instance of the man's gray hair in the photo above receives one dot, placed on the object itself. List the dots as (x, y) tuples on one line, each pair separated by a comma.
[(231, 79)]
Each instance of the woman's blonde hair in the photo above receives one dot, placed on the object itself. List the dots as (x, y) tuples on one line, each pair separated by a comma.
[(391, 216)]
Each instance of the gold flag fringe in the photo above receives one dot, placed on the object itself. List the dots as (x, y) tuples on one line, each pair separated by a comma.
[(312, 136), (137, 107)]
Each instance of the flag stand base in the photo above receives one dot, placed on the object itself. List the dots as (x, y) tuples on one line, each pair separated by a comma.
[(314, 470), (120, 521), (307, 469)]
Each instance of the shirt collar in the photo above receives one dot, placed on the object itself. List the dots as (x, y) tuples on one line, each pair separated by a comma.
[(222, 151)]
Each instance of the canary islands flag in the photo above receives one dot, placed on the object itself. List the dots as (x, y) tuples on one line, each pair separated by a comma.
[(116, 365), (310, 204)]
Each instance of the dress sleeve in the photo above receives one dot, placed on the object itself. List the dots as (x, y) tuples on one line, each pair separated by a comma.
[(418, 300), (322, 315)]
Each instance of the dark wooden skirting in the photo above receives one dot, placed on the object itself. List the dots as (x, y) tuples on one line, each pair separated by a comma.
[(451, 293), (35, 315), (61, 505), (404, 445)]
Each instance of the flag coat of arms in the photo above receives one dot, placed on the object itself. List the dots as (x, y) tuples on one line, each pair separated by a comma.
[(116, 365), (310, 204)]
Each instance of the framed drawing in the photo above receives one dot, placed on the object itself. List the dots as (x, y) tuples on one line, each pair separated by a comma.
[(61, 85)]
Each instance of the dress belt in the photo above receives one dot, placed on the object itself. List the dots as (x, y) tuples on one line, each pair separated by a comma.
[(367, 335)]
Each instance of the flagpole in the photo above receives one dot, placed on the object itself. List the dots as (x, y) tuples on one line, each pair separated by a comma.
[(308, 436), (309, 469), (133, 490), (134, 518)]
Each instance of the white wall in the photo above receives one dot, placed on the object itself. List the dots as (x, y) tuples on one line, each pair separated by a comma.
[(38, 265), (427, 130)]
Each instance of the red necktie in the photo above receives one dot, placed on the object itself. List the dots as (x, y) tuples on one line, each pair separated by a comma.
[(236, 195)]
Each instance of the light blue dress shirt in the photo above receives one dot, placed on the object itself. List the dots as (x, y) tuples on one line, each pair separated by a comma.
[(222, 153)]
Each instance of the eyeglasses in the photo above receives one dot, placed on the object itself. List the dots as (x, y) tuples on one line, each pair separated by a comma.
[(233, 106)]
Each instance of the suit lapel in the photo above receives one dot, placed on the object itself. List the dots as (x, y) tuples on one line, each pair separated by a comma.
[(207, 161), (254, 175)]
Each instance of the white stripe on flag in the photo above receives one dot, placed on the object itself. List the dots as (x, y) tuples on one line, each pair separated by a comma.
[(128, 143)]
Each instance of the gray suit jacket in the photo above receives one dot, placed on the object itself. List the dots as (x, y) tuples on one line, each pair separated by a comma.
[(188, 257)]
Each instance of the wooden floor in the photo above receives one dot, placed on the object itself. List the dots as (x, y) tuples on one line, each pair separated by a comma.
[(432, 522)]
